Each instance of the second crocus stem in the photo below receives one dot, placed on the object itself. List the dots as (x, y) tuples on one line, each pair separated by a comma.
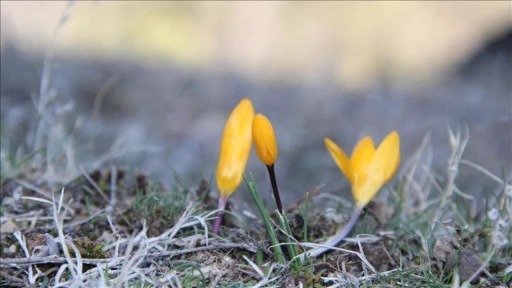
[(218, 220), (340, 236), (272, 174)]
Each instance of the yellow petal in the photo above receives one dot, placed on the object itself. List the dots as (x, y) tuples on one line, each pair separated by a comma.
[(364, 193), (361, 158), (363, 153), (387, 157), (340, 158), (264, 139), (235, 148), (381, 168)]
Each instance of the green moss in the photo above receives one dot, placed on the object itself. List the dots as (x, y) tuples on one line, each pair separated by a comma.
[(91, 249)]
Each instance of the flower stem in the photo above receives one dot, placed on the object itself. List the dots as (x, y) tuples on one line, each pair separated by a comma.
[(218, 220), (340, 236), (273, 181)]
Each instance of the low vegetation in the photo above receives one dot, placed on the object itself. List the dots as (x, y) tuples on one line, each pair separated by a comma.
[(70, 219), (115, 227)]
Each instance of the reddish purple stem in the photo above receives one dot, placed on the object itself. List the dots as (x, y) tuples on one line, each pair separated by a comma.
[(220, 214)]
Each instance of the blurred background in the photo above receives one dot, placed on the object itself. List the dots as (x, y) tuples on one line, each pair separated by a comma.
[(150, 84)]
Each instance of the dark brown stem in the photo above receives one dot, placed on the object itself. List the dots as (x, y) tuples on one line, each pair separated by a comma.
[(273, 181)]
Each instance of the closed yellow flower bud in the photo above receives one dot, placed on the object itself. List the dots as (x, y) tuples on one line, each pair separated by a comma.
[(235, 148), (264, 139)]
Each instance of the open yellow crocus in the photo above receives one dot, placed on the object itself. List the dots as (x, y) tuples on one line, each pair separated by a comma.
[(368, 169), (235, 149)]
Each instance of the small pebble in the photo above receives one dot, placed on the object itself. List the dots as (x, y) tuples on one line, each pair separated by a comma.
[(469, 263)]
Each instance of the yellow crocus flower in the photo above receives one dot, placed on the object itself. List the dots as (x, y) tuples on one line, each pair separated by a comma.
[(235, 148), (266, 149), (264, 139), (367, 171), (369, 168)]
